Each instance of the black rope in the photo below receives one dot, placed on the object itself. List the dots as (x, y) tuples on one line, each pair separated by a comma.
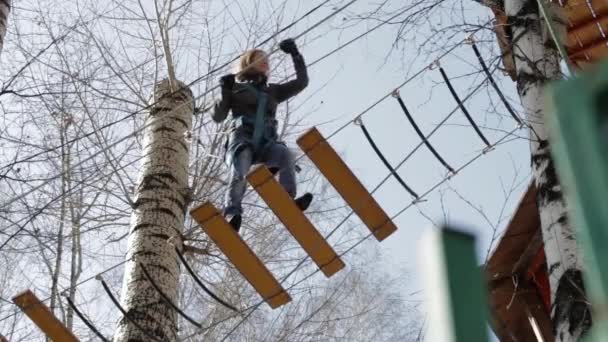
[(386, 163), (200, 283), (85, 320), (462, 107), (219, 68), (167, 299), (419, 132), (494, 85), (124, 313), (198, 79)]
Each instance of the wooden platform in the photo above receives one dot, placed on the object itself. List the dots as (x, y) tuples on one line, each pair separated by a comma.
[(294, 220), (344, 181), (239, 253), (42, 316), (514, 304)]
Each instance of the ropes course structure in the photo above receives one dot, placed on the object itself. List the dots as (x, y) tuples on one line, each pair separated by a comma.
[(355, 206)]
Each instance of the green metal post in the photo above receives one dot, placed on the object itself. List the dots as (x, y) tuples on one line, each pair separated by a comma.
[(579, 137), (457, 296)]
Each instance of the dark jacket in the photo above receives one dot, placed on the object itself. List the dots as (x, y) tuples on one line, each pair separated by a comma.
[(242, 102)]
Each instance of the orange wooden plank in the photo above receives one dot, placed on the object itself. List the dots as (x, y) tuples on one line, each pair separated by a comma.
[(294, 220), (344, 181), (243, 258), (591, 54), (579, 12), (586, 34), (42, 316)]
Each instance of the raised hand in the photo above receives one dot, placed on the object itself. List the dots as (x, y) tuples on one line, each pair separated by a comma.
[(227, 82), (289, 46)]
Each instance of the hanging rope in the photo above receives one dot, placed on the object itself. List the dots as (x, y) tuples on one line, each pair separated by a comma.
[(200, 283), (85, 320), (494, 85), (124, 313), (462, 107), (167, 299), (419, 132), (498, 91), (381, 156)]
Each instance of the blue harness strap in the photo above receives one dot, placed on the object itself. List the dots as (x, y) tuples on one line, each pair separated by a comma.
[(258, 128), (258, 123)]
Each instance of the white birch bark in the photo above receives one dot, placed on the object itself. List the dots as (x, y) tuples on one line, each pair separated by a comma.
[(160, 203), (5, 8), (537, 63)]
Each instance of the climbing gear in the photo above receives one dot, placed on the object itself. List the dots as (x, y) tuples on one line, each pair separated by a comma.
[(263, 127), (258, 129)]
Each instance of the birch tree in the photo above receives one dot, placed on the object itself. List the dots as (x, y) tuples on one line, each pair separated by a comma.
[(5, 8), (160, 203), (537, 63)]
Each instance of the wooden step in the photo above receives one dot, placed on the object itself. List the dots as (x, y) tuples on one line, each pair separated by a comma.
[(42, 316), (239, 253), (294, 220), (344, 181)]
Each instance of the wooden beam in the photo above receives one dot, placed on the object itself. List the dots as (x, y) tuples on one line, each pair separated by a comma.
[(512, 306), (587, 34), (536, 243), (239, 253), (579, 12), (42, 316), (524, 224), (592, 53), (503, 38), (348, 186), (294, 220)]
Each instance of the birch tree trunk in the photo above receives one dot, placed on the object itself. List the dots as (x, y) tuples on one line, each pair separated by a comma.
[(65, 171), (5, 8), (537, 63), (160, 203)]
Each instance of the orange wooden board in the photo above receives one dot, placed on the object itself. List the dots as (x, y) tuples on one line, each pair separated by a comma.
[(42, 316), (591, 54), (579, 12), (239, 253), (584, 35), (344, 181), (294, 220)]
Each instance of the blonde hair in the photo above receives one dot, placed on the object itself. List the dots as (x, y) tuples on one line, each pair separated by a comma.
[(246, 61)]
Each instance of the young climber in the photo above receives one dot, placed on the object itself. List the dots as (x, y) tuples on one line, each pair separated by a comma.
[(253, 138)]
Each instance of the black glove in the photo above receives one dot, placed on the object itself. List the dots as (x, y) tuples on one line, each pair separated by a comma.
[(289, 46), (227, 82)]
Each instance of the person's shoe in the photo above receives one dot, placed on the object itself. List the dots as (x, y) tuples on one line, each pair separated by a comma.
[(273, 170), (234, 221), (303, 202)]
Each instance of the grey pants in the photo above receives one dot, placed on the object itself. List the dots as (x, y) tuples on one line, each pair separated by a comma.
[(274, 156)]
